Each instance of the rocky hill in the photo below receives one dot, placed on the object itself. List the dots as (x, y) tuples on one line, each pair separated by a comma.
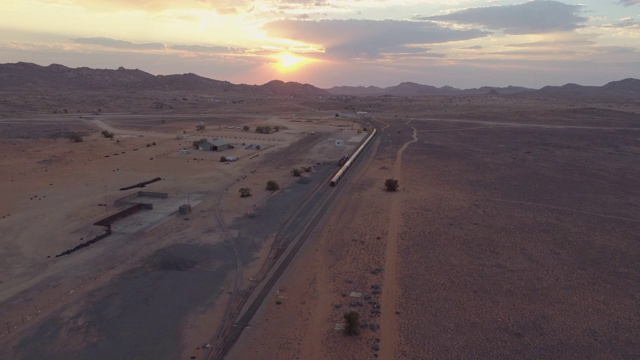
[(612, 88), (25, 76), (412, 89)]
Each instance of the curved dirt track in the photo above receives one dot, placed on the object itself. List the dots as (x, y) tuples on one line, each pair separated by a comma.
[(389, 322)]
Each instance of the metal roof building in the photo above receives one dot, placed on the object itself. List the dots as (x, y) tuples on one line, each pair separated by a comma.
[(214, 145)]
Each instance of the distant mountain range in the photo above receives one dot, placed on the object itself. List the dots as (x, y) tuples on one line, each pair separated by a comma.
[(31, 76), (413, 89), (27, 76)]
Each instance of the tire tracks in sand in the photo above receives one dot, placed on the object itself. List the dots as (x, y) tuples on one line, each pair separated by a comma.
[(389, 304)]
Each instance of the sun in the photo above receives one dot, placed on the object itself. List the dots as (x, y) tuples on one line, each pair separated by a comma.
[(288, 62)]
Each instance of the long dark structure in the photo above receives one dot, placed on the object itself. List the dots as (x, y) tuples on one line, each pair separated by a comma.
[(352, 158), (141, 185), (87, 243)]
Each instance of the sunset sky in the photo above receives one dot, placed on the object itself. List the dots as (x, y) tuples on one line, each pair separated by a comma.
[(461, 43)]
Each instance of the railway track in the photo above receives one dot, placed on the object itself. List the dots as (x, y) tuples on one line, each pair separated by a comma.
[(286, 245)]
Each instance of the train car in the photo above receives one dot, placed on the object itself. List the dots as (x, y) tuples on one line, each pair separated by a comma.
[(343, 160), (347, 164)]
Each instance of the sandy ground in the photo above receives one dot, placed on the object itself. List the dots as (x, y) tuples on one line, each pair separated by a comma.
[(513, 234), (510, 237), (53, 191)]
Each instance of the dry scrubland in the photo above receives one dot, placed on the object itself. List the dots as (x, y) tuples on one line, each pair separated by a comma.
[(156, 287), (517, 238), (521, 243), (513, 233)]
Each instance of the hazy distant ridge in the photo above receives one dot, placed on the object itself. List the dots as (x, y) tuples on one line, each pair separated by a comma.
[(413, 89), (31, 76), (27, 76)]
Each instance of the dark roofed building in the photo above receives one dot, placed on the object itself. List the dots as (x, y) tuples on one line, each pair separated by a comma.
[(214, 145)]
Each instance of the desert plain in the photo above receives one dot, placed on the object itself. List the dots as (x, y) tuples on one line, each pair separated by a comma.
[(514, 233)]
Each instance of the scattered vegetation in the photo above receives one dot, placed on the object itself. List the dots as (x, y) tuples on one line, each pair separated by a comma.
[(296, 172), (263, 129), (272, 185), (391, 184), (352, 322), (245, 192), (106, 134), (75, 137)]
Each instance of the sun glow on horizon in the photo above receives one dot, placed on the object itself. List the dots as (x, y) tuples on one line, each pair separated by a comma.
[(288, 62)]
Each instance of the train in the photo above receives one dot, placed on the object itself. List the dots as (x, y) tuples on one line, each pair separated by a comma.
[(352, 158)]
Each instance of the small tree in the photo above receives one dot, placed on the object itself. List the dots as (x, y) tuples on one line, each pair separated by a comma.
[(75, 137), (391, 184), (352, 322), (245, 192), (200, 127), (223, 159), (272, 185), (246, 128), (263, 129), (296, 172)]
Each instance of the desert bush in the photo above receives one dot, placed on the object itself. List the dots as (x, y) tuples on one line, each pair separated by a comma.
[(391, 184), (246, 128), (272, 185), (223, 159), (244, 192), (296, 172), (75, 137), (106, 134), (352, 322), (263, 129)]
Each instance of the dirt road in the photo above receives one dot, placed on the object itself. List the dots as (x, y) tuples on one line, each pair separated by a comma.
[(389, 322)]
